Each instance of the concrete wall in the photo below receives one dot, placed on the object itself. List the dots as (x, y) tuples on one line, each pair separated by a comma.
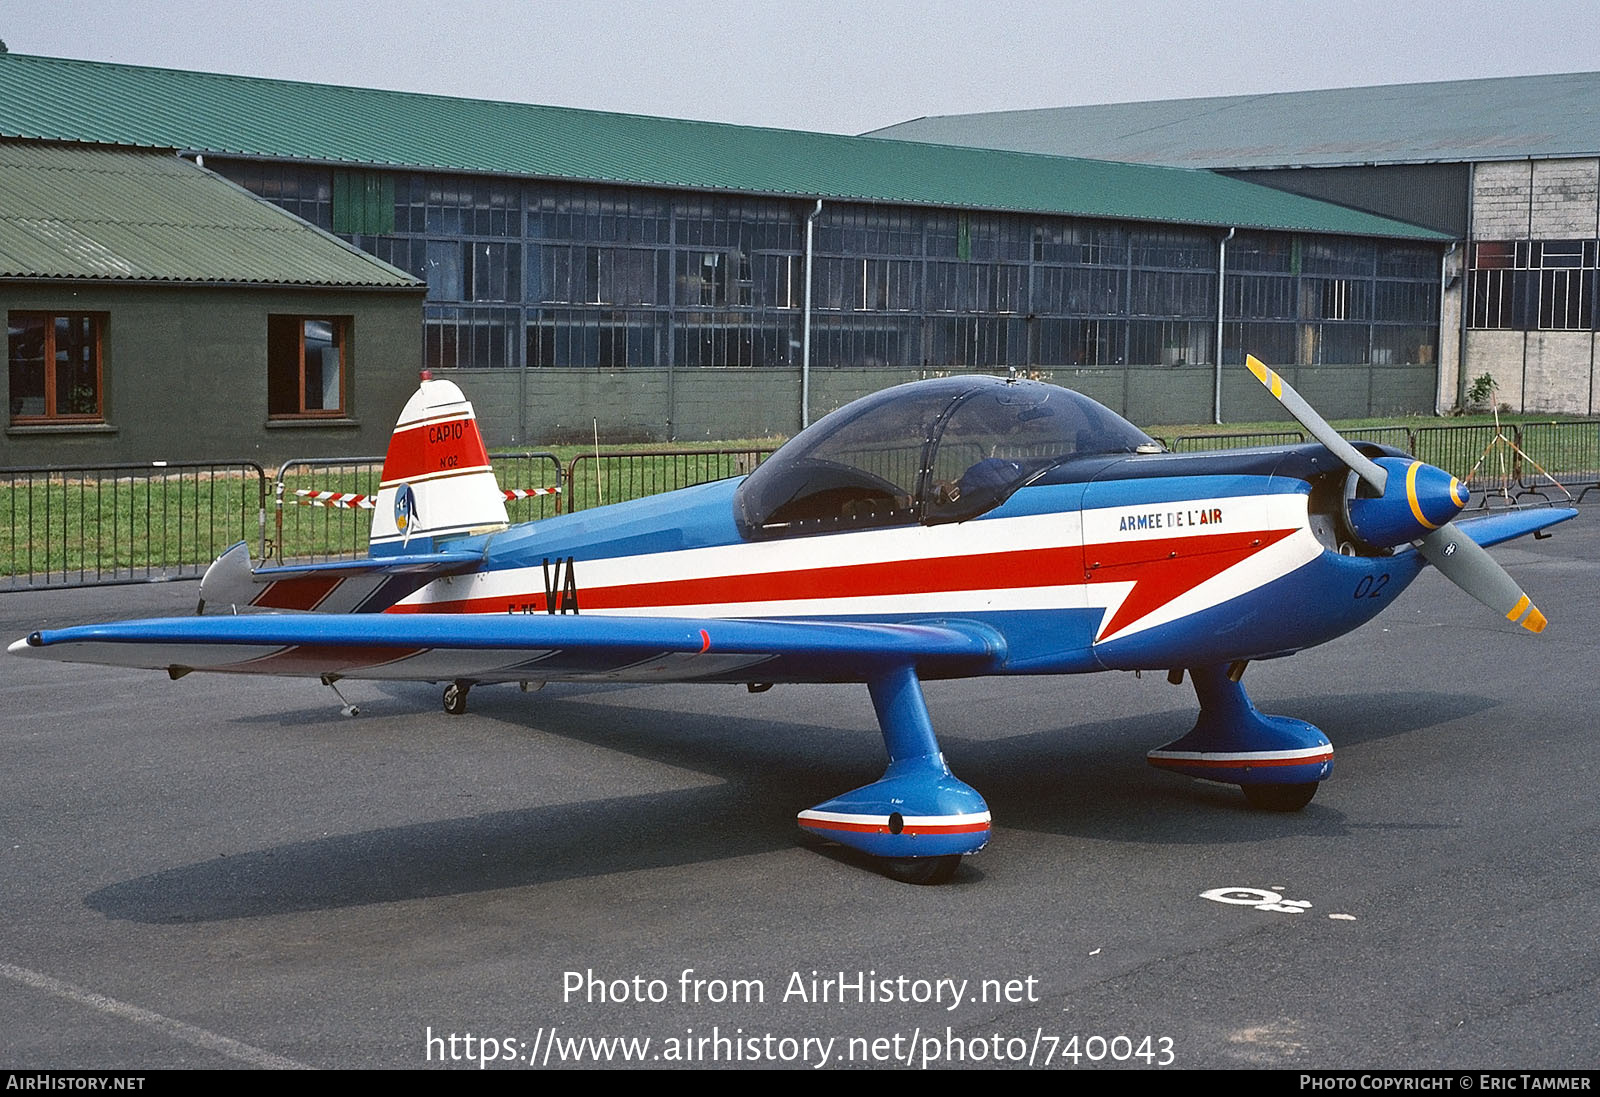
[(1564, 194), (1549, 372), (548, 406), (184, 374), (1499, 354), (1501, 200), (1536, 199), (1555, 376)]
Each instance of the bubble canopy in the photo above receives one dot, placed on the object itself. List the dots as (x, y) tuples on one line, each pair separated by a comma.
[(929, 452)]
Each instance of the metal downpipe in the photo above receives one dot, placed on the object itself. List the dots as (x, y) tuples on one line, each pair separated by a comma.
[(805, 327), (1222, 271)]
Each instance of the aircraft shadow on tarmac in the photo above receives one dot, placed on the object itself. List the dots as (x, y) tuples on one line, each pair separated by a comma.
[(1086, 780)]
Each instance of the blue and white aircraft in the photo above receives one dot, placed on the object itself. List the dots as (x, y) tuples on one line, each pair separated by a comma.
[(942, 529)]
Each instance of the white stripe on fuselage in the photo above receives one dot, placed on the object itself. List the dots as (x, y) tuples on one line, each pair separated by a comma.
[(909, 544)]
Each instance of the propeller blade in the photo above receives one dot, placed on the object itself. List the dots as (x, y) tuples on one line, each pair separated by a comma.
[(1458, 557), (1469, 566), (1295, 404)]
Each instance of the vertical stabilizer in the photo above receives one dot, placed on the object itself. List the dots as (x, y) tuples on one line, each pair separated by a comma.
[(437, 481)]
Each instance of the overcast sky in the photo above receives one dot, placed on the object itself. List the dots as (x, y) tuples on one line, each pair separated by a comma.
[(831, 65)]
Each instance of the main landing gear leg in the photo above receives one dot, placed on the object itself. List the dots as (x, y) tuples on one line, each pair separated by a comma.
[(1276, 760), (918, 818)]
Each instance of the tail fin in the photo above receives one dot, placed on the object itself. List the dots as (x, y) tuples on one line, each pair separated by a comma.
[(436, 482)]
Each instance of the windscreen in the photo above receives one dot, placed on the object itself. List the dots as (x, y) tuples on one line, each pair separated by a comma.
[(931, 451), (998, 437)]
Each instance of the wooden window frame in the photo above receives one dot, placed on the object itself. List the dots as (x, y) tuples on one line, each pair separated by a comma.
[(340, 327), (52, 415)]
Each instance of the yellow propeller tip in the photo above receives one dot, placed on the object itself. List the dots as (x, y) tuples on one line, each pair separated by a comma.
[(1535, 621)]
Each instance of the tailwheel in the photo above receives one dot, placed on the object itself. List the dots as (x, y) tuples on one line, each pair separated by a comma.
[(1280, 797), (926, 871), (455, 698)]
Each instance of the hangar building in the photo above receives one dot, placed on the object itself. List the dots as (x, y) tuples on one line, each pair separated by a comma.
[(663, 278), (1508, 167)]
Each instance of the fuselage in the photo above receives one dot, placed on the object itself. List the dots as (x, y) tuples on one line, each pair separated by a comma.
[(1106, 562)]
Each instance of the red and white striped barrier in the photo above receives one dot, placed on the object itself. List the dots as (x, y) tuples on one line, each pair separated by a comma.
[(349, 500)]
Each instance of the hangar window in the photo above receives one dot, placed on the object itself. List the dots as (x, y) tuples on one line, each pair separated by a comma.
[(55, 367), (470, 338), (1566, 284), (1533, 285), (306, 365)]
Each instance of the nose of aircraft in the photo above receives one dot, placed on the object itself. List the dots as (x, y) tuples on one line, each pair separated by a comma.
[(1435, 496), (1416, 500), (1401, 511)]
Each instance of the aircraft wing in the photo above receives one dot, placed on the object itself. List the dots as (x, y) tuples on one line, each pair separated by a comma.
[(1506, 525), (511, 647)]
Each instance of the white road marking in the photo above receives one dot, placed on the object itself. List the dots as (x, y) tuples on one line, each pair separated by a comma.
[(193, 1034), (1260, 898)]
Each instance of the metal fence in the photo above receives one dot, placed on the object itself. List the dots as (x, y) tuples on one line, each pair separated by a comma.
[(597, 479), (125, 523), (323, 506), (1399, 437), (1473, 455), (130, 523), (1563, 459)]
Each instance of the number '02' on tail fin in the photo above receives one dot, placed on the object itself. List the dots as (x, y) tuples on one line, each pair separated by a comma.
[(437, 482)]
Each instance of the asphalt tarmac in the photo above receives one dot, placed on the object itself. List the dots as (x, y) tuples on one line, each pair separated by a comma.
[(220, 871)]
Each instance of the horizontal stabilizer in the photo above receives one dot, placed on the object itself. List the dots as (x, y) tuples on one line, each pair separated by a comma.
[(336, 586), (505, 647), (433, 563)]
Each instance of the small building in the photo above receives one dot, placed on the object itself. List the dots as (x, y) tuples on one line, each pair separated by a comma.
[(156, 311)]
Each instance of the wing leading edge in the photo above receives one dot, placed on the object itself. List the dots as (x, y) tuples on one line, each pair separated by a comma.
[(493, 647), (1497, 528)]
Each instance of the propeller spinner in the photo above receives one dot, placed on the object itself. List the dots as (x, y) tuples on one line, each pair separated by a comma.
[(1411, 501)]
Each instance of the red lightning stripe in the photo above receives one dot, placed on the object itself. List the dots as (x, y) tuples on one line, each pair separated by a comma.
[(1157, 582), (1160, 570)]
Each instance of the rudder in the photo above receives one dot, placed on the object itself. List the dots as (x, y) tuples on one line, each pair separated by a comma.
[(437, 481)]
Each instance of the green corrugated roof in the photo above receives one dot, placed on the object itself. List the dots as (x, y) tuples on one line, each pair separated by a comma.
[(75, 211), (52, 98), (1501, 118)]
